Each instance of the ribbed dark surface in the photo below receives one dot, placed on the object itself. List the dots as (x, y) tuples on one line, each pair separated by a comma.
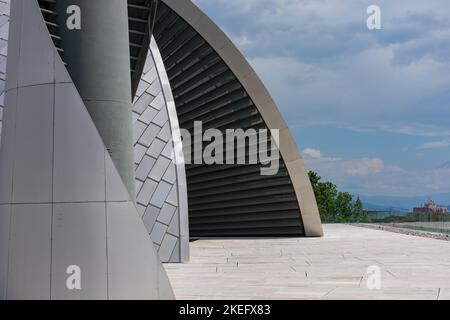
[(224, 200), (50, 16), (141, 14)]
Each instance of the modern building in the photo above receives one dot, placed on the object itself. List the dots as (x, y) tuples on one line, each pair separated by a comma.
[(97, 95), (430, 207)]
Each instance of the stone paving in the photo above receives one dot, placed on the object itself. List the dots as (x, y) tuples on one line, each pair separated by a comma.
[(333, 267)]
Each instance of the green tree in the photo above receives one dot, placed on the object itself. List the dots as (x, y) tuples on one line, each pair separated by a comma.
[(358, 211), (335, 206), (344, 207)]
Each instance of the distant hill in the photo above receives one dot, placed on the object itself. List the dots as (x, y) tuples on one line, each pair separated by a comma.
[(375, 207), (401, 204)]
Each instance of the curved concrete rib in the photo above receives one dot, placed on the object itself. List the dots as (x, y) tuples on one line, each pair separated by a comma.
[(65, 213), (256, 90)]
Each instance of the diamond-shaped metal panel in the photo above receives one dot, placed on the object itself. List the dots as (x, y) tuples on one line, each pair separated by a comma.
[(156, 172)]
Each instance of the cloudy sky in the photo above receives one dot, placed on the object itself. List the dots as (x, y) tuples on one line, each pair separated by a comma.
[(370, 109)]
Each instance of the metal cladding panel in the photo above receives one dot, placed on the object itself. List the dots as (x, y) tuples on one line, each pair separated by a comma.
[(115, 189), (83, 226), (33, 144), (129, 268), (79, 160), (8, 148), (29, 271), (104, 238), (36, 54), (5, 221), (165, 291)]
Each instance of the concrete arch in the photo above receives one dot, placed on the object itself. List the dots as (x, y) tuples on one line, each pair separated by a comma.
[(263, 102)]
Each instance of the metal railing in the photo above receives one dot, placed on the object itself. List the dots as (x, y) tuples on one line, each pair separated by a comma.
[(429, 222)]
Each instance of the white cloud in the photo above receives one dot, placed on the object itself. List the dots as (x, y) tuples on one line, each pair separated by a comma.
[(372, 176), (373, 95), (434, 144), (313, 153), (351, 167), (364, 167), (321, 63), (242, 41), (316, 154), (368, 166), (415, 129)]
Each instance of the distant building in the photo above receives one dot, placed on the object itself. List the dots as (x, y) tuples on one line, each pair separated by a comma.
[(430, 207)]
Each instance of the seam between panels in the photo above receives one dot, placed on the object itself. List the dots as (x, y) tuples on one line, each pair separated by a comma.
[(53, 179), (14, 146), (179, 245), (65, 202), (7, 206), (12, 194), (178, 237), (35, 85), (158, 270), (53, 173), (106, 224), (179, 211)]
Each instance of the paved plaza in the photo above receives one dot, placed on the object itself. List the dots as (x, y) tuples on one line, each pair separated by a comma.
[(333, 267)]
